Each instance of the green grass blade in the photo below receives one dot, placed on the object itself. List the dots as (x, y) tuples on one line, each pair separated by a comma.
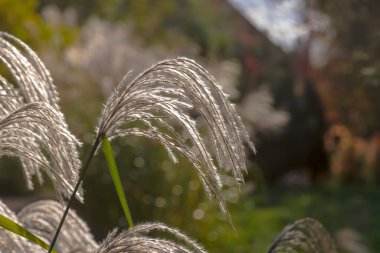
[(12, 226), (107, 149)]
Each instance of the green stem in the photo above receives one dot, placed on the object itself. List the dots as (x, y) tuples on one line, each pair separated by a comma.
[(72, 197), (107, 149)]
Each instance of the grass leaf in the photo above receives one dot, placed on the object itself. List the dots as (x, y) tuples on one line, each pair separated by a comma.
[(13, 227), (107, 149)]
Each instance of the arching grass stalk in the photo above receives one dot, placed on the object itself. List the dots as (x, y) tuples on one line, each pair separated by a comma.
[(72, 197), (164, 95), (107, 149)]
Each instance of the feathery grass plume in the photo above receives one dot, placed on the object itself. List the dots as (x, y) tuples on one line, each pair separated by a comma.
[(35, 85), (305, 235), (11, 98), (168, 92), (136, 240), (10, 242), (43, 217), (32, 77), (36, 135)]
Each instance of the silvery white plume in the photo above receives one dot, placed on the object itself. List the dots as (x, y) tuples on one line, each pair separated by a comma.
[(36, 135), (32, 77), (46, 143), (170, 92), (305, 235), (12, 243), (42, 218), (136, 240)]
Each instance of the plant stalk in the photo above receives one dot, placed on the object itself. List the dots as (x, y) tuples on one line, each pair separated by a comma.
[(72, 197), (107, 149)]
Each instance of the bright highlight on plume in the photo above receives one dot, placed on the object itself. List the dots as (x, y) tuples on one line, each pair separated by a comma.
[(32, 127), (42, 218), (172, 97)]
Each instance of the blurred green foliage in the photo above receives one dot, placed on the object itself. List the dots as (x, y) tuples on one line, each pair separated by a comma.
[(260, 217), (21, 19), (171, 22), (207, 31)]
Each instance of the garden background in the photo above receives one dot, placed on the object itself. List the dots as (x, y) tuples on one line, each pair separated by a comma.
[(305, 76)]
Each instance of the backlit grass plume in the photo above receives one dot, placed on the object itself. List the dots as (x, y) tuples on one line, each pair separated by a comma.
[(10, 242), (165, 99), (42, 217), (32, 77), (170, 94), (136, 239), (36, 135), (32, 125), (16, 242), (175, 100), (305, 235)]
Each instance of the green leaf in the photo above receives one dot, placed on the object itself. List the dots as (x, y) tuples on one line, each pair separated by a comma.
[(107, 149), (12, 226)]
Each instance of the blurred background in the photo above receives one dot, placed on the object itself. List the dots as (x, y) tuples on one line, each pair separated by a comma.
[(304, 74)]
